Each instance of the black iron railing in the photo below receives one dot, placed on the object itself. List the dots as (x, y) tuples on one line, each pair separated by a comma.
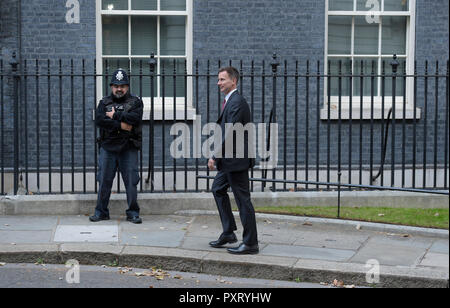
[(382, 125)]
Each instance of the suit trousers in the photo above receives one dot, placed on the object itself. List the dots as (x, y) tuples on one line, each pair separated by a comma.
[(239, 183)]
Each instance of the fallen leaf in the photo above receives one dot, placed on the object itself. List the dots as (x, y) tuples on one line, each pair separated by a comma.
[(307, 224), (123, 270), (338, 283), (178, 277)]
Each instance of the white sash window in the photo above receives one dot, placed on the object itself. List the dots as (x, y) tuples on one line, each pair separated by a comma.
[(128, 31), (361, 37)]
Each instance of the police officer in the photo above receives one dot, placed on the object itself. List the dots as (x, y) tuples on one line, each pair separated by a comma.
[(119, 117)]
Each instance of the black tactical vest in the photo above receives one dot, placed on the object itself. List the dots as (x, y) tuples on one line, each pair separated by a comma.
[(121, 138)]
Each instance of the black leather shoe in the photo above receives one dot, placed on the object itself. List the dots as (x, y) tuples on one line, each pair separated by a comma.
[(96, 218), (244, 250), (224, 239), (135, 220)]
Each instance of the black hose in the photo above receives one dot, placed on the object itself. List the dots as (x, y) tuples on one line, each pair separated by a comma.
[(383, 158)]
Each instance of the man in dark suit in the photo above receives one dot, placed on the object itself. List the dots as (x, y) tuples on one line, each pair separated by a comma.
[(233, 169)]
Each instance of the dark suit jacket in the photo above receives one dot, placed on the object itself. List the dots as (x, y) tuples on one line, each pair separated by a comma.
[(236, 111)]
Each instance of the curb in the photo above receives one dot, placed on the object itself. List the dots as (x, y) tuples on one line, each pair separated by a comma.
[(216, 263)]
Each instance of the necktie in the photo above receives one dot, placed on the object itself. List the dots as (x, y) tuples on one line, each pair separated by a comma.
[(223, 104)]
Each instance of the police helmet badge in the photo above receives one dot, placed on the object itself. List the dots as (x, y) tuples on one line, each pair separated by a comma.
[(119, 76)]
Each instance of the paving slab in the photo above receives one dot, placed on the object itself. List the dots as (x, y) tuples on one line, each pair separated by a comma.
[(440, 246), (435, 260), (338, 240), (389, 254), (28, 223), (305, 252), (25, 237), (158, 238)]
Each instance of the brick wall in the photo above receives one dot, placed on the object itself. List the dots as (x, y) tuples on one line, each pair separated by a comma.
[(247, 30)]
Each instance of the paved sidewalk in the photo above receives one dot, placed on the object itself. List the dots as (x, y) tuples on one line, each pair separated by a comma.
[(291, 248)]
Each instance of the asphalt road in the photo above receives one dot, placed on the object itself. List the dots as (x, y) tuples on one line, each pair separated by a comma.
[(58, 276)]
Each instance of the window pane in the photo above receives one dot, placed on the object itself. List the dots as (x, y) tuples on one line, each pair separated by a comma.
[(143, 35), (339, 35), (393, 35), (168, 82), (340, 5), (368, 65), (339, 66), (396, 5), (114, 4), (149, 5), (141, 83), (115, 35), (368, 5), (366, 37), (109, 67), (173, 5), (173, 35)]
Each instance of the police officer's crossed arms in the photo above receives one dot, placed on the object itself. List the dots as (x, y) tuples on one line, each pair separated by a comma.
[(119, 117)]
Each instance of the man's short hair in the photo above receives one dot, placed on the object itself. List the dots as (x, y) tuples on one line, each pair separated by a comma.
[(232, 72)]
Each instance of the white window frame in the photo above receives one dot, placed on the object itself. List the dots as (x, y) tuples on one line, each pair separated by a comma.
[(168, 102), (356, 100)]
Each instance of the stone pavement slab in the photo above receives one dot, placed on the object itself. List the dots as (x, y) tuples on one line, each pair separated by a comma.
[(25, 237), (155, 239), (28, 223), (308, 252), (435, 260), (388, 254)]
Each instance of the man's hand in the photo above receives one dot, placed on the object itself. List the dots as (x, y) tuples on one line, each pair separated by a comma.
[(111, 113), (211, 164), (125, 126)]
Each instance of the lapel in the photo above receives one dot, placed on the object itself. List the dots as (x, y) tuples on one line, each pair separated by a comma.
[(226, 106)]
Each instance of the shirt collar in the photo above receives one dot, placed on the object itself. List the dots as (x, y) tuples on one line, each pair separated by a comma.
[(229, 95)]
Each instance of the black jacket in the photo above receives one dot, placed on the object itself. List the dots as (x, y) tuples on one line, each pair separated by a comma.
[(129, 109), (236, 111)]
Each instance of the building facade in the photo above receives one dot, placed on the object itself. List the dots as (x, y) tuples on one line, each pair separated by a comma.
[(67, 50)]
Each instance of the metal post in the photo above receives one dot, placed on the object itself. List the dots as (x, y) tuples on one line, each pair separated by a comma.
[(274, 65), (14, 65), (152, 63), (339, 194), (394, 64)]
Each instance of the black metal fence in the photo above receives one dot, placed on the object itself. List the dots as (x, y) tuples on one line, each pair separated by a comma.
[(352, 124)]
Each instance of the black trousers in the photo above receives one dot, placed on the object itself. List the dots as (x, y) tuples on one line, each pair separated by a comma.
[(239, 183)]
